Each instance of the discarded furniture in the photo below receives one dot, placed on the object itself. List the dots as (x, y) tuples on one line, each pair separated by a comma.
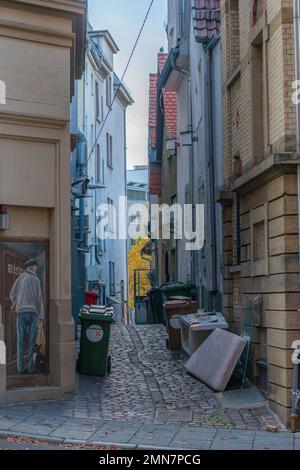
[(173, 310), (214, 361), (196, 328)]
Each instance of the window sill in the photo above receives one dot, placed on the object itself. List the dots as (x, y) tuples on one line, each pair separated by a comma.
[(262, 363), (235, 269)]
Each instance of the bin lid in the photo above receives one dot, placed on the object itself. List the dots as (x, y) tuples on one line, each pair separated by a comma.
[(181, 297), (174, 286), (95, 317), (91, 292), (175, 304)]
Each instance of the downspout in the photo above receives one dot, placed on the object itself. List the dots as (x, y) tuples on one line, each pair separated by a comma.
[(81, 163), (294, 414), (211, 163), (125, 181), (187, 73)]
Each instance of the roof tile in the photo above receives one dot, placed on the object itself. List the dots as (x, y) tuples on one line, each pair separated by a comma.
[(207, 19)]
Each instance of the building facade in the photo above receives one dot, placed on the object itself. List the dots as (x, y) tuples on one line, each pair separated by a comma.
[(190, 152), (43, 43), (137, 193), (260, 198), (99, 117)]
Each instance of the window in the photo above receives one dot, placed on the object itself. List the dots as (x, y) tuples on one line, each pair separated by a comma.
[(92, 136), (109, 150), (259, 241), (103, 178), (111, 225), (102, 108), (136, 195), (108, 91), (257, 81), (98, 116), (112, 278), (257, 10), (98, 165), (92, 83)]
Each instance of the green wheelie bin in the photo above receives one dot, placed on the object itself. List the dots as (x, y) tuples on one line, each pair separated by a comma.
[(173, 289), (93, 357)]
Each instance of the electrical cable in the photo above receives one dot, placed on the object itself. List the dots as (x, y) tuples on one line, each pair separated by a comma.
[(120, 82)]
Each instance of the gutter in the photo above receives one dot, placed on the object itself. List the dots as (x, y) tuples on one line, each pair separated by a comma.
[(294, 415), (211, 163)]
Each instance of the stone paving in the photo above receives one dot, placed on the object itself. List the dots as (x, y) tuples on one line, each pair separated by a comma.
[(147, 400)]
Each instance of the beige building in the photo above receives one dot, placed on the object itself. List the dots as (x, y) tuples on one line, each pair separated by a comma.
[(41, 54), (260, 197)]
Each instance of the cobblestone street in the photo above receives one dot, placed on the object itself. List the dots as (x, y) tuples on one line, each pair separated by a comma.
[(148, 384)]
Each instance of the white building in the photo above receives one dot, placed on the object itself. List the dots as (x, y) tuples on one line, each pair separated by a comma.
[(137, 190), (193, 71), (102, 101)]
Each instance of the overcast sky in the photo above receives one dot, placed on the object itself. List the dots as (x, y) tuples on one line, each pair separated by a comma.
[(123, 19)]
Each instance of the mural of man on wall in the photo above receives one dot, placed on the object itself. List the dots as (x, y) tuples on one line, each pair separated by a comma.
[(27, 300)]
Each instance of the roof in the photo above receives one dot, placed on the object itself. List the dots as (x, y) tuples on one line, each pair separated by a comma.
[(162, 58), (108, 37), (152, 99), (207, 19), (170, 107), (155, 178), (137, 176), (123, 93), (169, 104)]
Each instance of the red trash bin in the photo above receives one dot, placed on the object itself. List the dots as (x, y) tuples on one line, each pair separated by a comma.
[(91, 298)]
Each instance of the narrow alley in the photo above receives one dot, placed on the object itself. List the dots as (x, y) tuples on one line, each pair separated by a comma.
[(148, 398)]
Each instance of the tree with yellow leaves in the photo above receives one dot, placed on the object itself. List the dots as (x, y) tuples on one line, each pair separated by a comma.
[(135, 261)]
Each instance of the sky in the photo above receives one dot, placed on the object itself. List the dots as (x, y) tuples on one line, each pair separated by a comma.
[(123, 18)]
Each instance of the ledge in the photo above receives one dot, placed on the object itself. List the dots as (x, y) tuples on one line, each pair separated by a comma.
[(32, 120), (269, 168), (235, 269), (233, 77), (224, 197), (21, 395)]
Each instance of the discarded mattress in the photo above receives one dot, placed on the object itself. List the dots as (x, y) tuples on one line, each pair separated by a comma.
[(214, 361)]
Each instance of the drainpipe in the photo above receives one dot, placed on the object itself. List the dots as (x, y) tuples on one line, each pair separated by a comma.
[(126, 221), (187, 73), (211, 163), (297, 77), (81, 162)]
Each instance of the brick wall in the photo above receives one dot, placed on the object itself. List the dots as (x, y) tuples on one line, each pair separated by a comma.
[(275, 274)]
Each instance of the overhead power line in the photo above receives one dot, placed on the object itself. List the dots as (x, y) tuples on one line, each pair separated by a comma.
[(121, 80)]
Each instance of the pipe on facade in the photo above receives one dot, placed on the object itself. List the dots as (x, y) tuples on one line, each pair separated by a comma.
[(211, 163), (81, 158), (294, 415), (187, 73)]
